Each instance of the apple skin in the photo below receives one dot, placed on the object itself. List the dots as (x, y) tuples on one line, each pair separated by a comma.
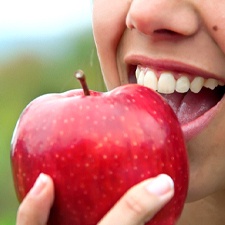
[(96, 147)]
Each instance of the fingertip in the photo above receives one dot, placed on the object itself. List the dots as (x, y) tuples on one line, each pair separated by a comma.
[(42, 181), (160, 185)]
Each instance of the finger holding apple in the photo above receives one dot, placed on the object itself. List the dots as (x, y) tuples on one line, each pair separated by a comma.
[(35, 208), (96, 146), (138, 205), (141, 202)]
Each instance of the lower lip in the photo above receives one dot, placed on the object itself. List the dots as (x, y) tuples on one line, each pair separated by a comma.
[(193, 128)]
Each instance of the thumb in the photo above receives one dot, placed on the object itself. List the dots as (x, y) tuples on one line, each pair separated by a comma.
[(35, 208), (141, 202)]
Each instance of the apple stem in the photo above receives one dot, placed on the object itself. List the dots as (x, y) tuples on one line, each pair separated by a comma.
[(81, 77)]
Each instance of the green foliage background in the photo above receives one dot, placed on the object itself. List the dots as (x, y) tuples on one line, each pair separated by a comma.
[(29, 74)]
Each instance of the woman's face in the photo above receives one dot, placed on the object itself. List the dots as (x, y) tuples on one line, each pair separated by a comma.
[(180, 44)]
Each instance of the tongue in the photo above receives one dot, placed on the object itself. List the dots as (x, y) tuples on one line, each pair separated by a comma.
[(190, 106)]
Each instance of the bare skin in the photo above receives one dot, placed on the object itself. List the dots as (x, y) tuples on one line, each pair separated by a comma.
[(191, 34), (176, 35), (138, 205)]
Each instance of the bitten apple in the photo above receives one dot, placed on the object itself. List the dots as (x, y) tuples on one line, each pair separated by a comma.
[(96, 146)]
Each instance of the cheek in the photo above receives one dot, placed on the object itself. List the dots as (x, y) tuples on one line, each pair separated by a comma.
[(214, 19), (109, 20), (103, 27), (108, 28)]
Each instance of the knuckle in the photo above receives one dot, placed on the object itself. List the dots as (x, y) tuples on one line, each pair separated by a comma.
[(134, 204)]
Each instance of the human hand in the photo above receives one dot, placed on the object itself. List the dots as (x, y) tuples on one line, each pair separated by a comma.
[(35, 208), (141, 202), (136, 207)]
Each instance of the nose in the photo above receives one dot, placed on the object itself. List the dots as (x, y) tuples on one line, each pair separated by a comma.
[(163, 17)]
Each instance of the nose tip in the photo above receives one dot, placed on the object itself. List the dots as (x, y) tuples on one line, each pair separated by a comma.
[(162, 17)]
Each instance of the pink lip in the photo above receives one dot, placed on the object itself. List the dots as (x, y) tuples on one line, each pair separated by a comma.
[(193, 128)]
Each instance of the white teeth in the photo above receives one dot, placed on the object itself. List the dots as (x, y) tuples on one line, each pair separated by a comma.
[(150, 80), (137, 72), (211, 83), (183, 84), (167, 84), (197, 84), (141, 78)]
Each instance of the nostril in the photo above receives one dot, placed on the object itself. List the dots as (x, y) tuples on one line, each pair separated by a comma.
[(166, 32), (175, 20)]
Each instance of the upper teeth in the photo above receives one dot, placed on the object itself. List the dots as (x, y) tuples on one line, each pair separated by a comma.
[(167, 84)]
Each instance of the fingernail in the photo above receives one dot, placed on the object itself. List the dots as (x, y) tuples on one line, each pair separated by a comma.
[(160, 185), (39, 184)]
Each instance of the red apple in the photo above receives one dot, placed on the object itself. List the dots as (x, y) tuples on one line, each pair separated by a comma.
[(96, 146)]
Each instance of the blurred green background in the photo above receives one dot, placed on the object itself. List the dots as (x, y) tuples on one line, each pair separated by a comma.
[(38, 65)]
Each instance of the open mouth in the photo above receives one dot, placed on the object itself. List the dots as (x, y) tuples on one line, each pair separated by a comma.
[(189, 96)]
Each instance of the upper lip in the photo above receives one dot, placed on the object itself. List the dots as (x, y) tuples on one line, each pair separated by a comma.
[(169, 65)]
